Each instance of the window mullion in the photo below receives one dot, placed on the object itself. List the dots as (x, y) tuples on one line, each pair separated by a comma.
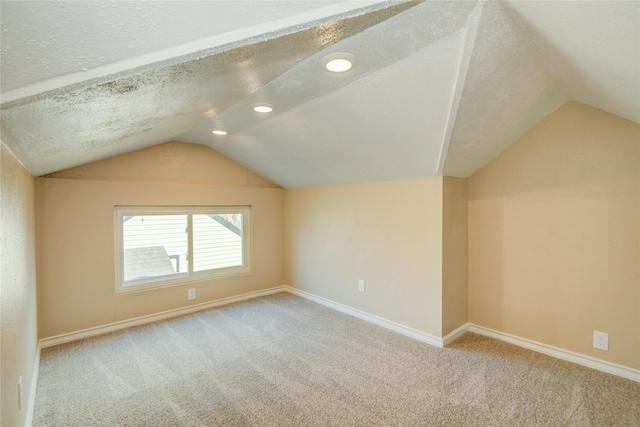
[(190, 242)]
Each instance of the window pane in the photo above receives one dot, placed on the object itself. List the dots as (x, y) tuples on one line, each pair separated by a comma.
[(154, 246), (217, 241)]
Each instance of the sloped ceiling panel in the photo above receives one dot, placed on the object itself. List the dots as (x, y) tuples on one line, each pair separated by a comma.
[(387, 125), (132, 28), (68, 128), (386, 119), (375, 48), (592, 49), (49, 45), (507, 90)]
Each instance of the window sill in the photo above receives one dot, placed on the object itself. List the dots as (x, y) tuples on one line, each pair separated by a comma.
[(138, 289)]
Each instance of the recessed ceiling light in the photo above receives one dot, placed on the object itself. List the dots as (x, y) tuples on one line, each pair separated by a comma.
[(262, 108), (339, 62), (219, 132), (338, 65)]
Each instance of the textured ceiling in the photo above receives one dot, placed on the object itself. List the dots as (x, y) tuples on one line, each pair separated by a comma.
[(48, 45), (440, 88)]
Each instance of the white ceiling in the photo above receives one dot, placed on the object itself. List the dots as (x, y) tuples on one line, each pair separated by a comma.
[(440, 87)]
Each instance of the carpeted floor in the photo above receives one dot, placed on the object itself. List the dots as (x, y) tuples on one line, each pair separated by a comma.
[(284, 361)]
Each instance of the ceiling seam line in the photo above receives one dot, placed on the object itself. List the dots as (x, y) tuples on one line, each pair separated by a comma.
[(463, 68)]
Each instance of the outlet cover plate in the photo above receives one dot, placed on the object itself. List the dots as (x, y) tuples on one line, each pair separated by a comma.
[(191, 294), (601, 340), (360, 285)]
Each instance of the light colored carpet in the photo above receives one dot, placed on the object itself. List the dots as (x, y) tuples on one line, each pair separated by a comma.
[(284, 361)]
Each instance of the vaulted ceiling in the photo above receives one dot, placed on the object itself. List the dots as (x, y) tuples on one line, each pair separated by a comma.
[(439, 87)]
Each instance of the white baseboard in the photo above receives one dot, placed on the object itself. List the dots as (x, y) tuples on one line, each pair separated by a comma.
[(111, 327), (31, 403), (460, 330), (559, 353), (591, 362), (404, 330)]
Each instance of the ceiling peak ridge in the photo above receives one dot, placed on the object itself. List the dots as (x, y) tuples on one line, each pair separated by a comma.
[(507, 91), (471, 34), (185, 52)]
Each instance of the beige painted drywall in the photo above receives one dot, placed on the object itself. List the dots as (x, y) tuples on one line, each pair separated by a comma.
[(17, 285), (386, 233), (553, 235), (75, 235), (176, 162), (454, 254)]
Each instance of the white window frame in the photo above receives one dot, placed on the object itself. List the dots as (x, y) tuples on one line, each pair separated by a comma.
[(190, 276)]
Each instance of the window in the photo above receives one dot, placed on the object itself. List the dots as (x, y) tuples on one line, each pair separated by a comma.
[(162, 246)]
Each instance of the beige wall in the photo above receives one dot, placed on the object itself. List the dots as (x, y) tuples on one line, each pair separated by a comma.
[(553, 235), (454, 255), (387, 233), (76, 288), (169, 162), (17, 286)]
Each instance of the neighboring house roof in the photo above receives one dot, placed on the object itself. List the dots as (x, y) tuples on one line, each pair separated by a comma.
[(439, 88), (146, 262)]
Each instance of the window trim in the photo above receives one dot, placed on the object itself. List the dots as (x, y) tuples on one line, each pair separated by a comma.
[(190, 276)]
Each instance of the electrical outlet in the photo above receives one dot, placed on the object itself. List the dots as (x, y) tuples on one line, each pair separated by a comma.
[(191, 294), (20, 393), (360, 285), (601, 340)]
